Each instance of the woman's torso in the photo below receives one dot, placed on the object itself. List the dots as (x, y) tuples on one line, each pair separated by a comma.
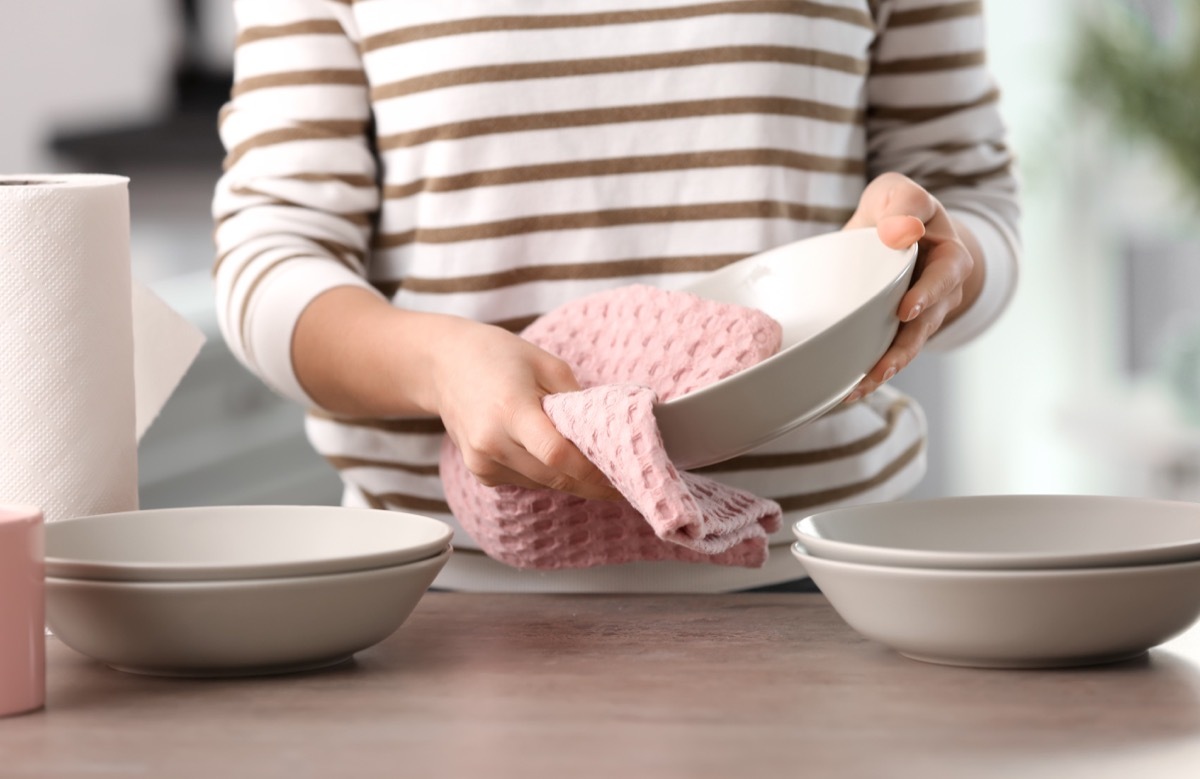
[(535, 152)]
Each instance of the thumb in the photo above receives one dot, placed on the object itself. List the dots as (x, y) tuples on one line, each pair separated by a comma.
[(900, 231), (897, 207)]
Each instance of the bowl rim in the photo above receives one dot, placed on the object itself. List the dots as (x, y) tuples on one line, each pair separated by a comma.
[(991, 574), (200, 585), (150, 571), (1174, 551)]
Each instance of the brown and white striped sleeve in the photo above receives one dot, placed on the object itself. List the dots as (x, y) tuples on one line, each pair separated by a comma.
[(933, 115), (294, 207)]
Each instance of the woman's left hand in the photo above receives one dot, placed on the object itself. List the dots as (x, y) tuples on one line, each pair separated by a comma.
[(904, 214)]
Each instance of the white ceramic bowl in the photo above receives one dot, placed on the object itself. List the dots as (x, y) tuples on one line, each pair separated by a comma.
[(237, 542), (836, 296), (237, 627), (1007, 532), (1012, 619)]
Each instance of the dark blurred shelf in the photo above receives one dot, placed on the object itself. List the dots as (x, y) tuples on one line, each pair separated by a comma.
[(185, 138)]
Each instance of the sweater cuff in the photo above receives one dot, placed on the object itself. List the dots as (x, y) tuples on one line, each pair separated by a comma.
[(999, 283), (271, 320)]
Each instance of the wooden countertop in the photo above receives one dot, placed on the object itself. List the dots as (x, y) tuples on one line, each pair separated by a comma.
[(697, 686)]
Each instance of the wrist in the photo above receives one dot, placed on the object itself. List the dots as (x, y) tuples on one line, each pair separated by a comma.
[(356, 354)]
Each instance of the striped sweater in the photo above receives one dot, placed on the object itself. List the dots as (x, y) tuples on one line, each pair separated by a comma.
[(495, 158)]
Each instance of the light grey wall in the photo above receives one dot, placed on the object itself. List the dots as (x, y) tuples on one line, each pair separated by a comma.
[(80, 63)]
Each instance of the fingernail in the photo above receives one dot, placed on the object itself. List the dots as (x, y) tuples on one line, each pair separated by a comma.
[(889, 373), (853, 396), (914, 312)]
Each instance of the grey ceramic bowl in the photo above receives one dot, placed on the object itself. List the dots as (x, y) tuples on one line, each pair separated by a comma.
[(236, 627), (1014, 618), (836, 296), (237, 542)]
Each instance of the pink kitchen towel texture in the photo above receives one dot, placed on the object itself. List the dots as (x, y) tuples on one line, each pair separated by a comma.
[(630, 347)]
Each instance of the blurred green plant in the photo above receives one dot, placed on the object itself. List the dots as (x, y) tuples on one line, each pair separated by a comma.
[(1147, 80), (1138, 62)]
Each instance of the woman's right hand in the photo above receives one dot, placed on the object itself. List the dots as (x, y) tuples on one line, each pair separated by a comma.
[(355, 354), (488, 386)]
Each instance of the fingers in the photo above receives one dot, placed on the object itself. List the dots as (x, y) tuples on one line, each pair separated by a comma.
[(493, 474), (513, 465), (904, 213), (540, 438), (525, 470), (909, 341), (553, 460), (498, 424), (530, 452), (944, 267)]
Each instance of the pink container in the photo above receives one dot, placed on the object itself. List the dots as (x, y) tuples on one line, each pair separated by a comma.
[(22, 610)]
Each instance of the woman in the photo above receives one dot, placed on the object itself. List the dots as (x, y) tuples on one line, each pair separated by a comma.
[(410, 182)]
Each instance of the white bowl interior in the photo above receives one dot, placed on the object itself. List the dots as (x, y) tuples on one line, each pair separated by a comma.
[(238, 541), (836, 297), (1008, 525), (808, 285)]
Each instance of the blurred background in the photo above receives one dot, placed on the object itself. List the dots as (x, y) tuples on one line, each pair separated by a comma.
[(1090, 382)]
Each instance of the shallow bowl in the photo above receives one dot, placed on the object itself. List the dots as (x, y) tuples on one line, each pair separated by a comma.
[(836, 297), (238, 542), (1007, 532), (237, 627), (1014, 618)]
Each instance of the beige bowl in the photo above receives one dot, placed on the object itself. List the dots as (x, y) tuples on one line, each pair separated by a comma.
[(1014, 618), (836, 296), (238, 542), (1007, 532), (236, 627)]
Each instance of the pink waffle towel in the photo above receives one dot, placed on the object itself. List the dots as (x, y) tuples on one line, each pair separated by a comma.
[(629, 347)]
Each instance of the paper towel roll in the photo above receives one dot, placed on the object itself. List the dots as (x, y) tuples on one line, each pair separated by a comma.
[(68, 419)]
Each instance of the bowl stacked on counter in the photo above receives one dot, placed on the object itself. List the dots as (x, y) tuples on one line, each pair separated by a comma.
[(1012, 581), (236, 590)]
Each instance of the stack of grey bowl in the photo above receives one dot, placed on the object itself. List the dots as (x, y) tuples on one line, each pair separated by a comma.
[(237, 590), (1010, 581)]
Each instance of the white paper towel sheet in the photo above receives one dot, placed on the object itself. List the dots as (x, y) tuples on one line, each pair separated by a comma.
[(87, 358)]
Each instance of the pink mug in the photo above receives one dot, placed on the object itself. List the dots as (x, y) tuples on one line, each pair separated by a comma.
[(22, 610)]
